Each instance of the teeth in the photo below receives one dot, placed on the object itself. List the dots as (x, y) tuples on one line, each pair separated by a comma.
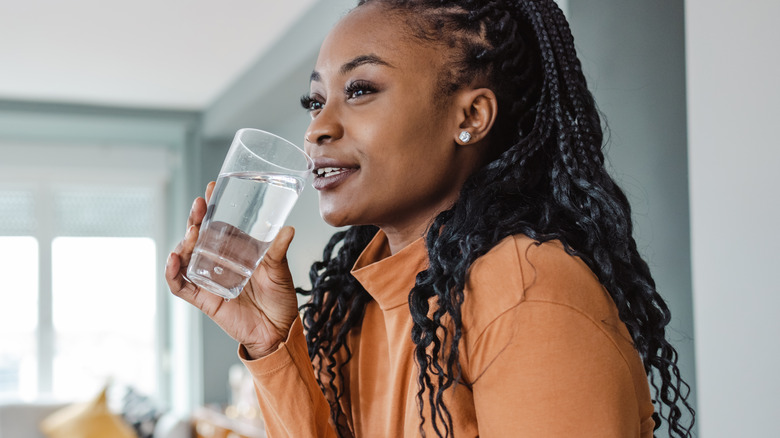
[(329, 171)]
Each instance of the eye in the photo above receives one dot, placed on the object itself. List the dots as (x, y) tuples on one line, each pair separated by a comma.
[(311, 103), (358, 89)]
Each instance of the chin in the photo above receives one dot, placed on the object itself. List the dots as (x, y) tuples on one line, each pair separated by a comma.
[(334, 218), (341, 218)]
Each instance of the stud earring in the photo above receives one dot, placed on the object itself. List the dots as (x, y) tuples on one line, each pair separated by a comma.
[(464, 136)]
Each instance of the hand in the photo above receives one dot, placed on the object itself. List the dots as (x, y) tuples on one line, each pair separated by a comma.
[(261, 316)]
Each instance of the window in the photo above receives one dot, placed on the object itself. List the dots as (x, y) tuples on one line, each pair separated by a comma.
[(80, 289), (103, 308), (19, 292)]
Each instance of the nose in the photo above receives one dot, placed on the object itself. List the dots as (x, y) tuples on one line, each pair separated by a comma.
[(325, 127)]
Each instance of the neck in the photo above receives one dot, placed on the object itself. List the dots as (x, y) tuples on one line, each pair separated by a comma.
[(406, 229), (399, 239)]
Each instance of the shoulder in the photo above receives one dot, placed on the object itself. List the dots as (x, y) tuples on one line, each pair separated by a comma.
[(537, 309), (520, 271)]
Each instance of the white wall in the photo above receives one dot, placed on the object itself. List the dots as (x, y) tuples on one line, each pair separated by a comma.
[(733, 68)]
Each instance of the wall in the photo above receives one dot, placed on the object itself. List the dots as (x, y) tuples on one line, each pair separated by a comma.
[(634, 59), (732, 69)]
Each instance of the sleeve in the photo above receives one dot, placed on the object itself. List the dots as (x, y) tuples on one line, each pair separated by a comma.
[(289, 396), (546, 369)]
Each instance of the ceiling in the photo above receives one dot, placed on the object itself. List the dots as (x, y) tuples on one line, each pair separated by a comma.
[(172, 54)]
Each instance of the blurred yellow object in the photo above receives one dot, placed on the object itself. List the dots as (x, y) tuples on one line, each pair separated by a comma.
[(86, 420)]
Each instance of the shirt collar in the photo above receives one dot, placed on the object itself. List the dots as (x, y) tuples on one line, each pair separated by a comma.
[(390, 278)]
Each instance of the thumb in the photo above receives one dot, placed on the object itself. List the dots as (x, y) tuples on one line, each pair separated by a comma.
[(276, 257)]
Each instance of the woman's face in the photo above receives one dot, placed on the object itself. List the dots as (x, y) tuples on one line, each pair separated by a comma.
[(383, 144)]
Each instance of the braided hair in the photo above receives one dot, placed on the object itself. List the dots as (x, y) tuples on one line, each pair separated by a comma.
[(546, 180)]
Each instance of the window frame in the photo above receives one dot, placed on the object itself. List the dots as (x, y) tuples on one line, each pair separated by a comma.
[(39, 167)]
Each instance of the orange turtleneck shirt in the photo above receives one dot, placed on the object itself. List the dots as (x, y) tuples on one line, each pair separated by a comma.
[(543, 350)]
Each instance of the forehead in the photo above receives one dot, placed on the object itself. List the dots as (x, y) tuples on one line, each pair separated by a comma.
[(373, 30)]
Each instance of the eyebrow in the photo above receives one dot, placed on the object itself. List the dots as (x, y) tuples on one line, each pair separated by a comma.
[(353, 64)]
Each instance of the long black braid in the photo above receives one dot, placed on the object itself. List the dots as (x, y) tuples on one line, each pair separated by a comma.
[(547, 181)]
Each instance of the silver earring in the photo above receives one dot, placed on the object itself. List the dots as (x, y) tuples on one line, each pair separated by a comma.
[(464, 136)]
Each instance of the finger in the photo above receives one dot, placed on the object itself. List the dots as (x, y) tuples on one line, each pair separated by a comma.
[(172, 266), (197, 212), (209, 190), (188, 244), (174, 275)]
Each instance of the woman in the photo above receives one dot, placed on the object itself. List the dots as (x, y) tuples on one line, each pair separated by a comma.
[(489, 284)]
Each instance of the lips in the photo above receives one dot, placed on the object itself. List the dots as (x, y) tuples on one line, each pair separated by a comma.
[(328, 174)]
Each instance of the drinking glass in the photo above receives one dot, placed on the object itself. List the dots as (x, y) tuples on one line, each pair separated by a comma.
[(259, 182)]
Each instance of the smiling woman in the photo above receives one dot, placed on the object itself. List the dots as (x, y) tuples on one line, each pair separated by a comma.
[(489, 284), (375, 119)]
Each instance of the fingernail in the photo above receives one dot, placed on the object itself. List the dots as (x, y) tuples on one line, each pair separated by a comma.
[(190, 231), (193, 204)]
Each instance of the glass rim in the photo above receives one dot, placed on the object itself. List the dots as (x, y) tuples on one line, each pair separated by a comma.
[(309, 161)]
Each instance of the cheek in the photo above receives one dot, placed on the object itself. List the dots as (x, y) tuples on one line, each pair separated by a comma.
[(402, 123)]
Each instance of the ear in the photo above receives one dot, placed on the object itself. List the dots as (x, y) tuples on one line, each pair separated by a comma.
[(476, 114)]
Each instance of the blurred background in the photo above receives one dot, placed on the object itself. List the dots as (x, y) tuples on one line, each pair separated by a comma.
[(114, 116)]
